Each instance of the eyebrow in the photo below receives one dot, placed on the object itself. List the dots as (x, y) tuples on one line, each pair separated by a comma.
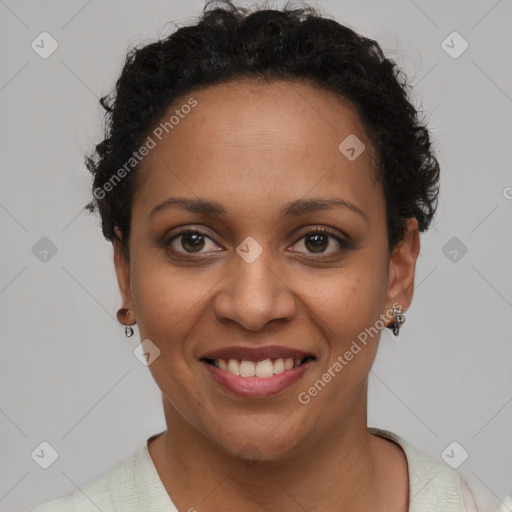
[(292, 209)]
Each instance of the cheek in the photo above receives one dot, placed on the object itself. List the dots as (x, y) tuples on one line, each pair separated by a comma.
[(349, 299), (168, 303), (347, 308)]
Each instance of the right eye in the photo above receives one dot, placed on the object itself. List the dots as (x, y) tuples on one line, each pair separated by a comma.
[(188, 241)]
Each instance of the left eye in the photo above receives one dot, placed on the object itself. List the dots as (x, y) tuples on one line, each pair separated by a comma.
[(318, 241)]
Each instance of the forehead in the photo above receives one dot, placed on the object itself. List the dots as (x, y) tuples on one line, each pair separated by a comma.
[(258, 139)]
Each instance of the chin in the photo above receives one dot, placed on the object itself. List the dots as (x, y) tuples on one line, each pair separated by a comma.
[(268, 443)]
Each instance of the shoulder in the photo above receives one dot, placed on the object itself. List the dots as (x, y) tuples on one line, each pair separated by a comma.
[(100, 494), (59, 505), (433, 484)]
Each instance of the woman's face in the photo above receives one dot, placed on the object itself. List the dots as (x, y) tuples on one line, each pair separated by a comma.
[(257, 276)]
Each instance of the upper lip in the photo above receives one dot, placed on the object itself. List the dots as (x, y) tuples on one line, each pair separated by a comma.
[(256, 353)]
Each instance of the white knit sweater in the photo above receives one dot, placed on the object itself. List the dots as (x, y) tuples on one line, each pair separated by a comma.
[(135, 486)]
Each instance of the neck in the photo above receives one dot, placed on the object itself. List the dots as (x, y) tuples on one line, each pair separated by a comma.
[(342, 471)]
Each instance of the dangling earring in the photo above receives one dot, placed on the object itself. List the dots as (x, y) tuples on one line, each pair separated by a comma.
[(399, 320), (121, 314)]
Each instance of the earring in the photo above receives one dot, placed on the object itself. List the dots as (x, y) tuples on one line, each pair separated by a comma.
[(399, 320), (121, 314)]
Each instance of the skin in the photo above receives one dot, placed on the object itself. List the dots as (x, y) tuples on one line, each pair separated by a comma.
[(254, 147)]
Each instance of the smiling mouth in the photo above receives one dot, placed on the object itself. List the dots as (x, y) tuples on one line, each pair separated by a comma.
[(262, 369)]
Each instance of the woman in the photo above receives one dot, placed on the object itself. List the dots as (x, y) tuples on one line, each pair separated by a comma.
[(264, 180)]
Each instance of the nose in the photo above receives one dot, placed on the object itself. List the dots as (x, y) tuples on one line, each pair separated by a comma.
[(253, 294)]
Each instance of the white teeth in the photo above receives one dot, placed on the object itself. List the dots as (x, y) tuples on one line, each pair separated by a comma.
[(278, 366), (247, 368), (262, 369), (234, 367)]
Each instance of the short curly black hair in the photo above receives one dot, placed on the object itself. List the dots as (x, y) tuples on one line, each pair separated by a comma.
[(298, 44)]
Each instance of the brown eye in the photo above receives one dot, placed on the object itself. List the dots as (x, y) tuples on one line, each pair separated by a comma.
[(192, 241), (319, 240), (189, 241)]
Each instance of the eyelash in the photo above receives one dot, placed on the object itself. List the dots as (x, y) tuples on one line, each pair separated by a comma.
[(321, 230)]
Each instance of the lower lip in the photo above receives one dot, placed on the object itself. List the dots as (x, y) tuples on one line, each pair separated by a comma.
[(256, 387)]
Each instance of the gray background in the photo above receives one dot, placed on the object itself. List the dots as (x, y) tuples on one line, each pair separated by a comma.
[(68, 374)]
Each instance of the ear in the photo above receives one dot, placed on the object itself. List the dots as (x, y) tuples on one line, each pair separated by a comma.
[(122, 267), (402, 267)]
